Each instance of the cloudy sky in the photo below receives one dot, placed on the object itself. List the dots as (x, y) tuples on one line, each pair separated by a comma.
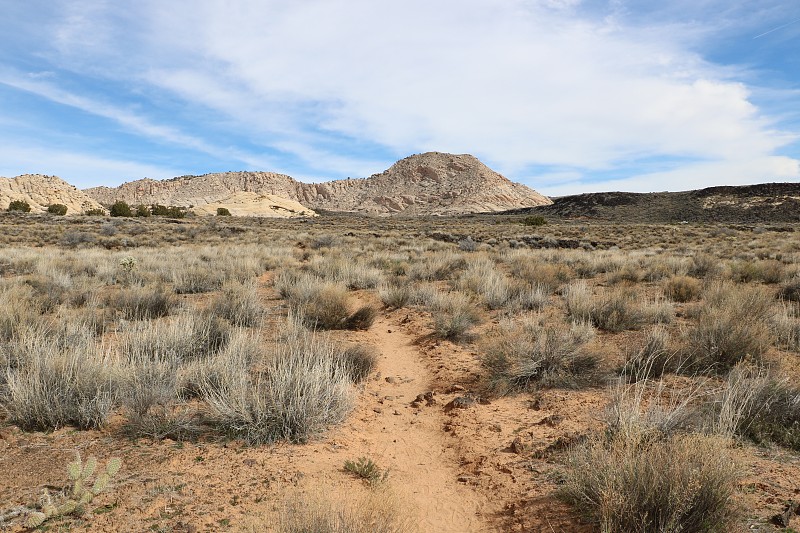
[(563, 95)]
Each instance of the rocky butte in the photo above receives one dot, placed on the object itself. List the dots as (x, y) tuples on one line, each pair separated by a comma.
[(41, 191), (432, 183)]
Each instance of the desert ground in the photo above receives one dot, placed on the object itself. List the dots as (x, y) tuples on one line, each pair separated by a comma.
[(430, 374)]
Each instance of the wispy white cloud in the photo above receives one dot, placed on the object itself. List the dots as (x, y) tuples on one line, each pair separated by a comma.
[(522, 83), (129, 120), (86, 170), (688, 176)]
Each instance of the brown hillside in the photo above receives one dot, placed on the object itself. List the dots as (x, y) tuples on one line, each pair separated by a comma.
[(767, 202)]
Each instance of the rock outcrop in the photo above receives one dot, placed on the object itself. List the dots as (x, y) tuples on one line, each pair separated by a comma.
[(425, 184), (251, 204), (41, 191)]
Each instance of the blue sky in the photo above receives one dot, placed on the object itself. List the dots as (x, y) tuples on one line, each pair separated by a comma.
[(565, 96)]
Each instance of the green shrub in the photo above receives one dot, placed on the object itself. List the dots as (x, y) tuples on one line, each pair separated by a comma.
[(19, 205), (57, 209), (120, 209), (534, 220), (94, 212), (169, 212), (142, 211), (367, 470), (223, 212)]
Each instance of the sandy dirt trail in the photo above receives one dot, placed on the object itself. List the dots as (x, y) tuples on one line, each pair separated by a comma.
[(422, 461)]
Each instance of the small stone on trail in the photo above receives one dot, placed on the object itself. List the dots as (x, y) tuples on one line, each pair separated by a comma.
[(377, 410), (391, 379)]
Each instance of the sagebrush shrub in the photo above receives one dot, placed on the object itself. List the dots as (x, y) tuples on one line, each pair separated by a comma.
[(682, 289), (53, 386), (20, 206), (684, 483), (453, 316), (304, 388), (142, 303), (528, 354), (732, 324), (57, 209), (240, 304)]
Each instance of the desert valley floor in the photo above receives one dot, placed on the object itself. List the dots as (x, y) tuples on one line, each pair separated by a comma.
[(490, 368)]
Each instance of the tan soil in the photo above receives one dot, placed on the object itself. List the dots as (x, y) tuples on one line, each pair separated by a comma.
[(488, 467)]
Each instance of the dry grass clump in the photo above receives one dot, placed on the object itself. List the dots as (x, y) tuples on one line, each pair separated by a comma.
[(483, 279), (376, 512), (394, 295), (18, 309), (645, 474), (790, 290), (303, 388), (684, 484), (438, 266), (760, 407), (528, 354), (733, 323), (323, 304), (613, 310), (704, 265), (786, 325), (654, 358), (187, 336), (197, 278), (682, 289), (767, 271), (359, 361), (239, 303), (454, 314), (537, 269), (142, 303), (345, 270), (50, 385), (150, 397)]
